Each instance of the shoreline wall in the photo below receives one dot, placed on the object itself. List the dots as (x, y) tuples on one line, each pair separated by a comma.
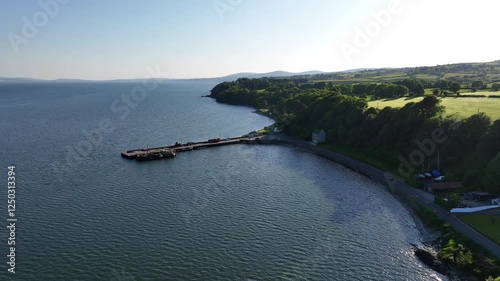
[(400, 190), (406, 194), (353, 164)]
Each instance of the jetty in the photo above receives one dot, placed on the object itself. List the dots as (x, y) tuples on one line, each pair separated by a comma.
[(155, 153)]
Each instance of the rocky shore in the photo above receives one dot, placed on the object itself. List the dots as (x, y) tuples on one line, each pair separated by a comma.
[(427, 252)]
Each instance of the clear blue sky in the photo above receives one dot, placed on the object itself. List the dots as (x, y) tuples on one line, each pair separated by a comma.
[(97, 39)]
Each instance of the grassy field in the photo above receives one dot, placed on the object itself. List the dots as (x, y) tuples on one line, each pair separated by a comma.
[(469, 92), (464, 73), (487, 225), (463, 107)]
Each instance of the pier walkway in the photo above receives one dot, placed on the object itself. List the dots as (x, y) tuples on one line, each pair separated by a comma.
[(170, 151)]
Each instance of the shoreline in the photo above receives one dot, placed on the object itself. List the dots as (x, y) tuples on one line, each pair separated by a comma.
[(428, 234), (426, 251), (396, 186)]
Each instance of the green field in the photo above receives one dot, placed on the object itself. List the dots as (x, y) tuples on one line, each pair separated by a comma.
[(464, 73), (487, 225), (463, 107), (478, 93)]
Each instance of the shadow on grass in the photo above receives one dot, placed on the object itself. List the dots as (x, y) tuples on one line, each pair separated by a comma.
[(397, 98), (390, 99), (412, 98)]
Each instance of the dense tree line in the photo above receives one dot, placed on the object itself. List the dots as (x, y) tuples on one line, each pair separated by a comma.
[(471, 152)]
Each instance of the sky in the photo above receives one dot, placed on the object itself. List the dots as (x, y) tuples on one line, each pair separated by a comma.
[(112, 39)]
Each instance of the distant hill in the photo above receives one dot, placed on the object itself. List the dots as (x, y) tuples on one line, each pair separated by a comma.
[(65, 80), (278, 73), (34, 80), (464, 73), (231, 77), (19, 80)]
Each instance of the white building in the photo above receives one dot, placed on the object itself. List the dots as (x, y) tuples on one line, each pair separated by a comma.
[(253, 134), (318, 136)]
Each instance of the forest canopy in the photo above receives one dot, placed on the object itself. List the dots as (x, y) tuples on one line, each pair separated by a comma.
[(470, 154)]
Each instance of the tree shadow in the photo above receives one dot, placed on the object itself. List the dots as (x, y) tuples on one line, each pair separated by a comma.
[(412, 98), (390, 99)]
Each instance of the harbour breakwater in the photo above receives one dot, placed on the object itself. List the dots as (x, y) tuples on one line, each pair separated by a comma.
[(154, 153)]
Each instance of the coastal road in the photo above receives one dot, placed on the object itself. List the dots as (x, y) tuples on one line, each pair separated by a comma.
[(458, 224), (393, 182)]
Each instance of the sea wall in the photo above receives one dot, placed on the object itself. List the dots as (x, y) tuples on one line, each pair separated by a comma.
[(353, 164), (398, 188)]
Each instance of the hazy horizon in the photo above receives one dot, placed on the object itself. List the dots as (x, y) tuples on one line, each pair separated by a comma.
[(93, 40), (230, 74)]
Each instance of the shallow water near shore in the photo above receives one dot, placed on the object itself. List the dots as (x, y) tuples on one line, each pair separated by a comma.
[(241, 212)]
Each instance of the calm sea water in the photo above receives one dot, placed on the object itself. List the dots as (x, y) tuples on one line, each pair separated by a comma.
[(229, 213)]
